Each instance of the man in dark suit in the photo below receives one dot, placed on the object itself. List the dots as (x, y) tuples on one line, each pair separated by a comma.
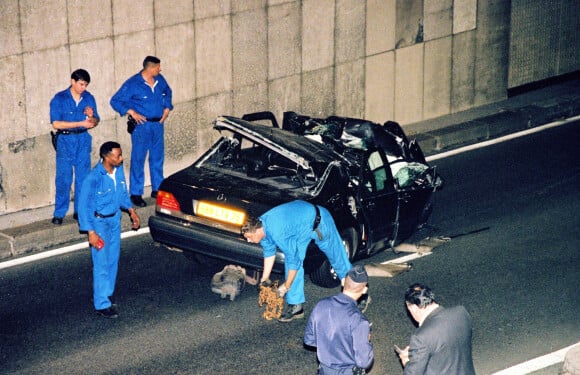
[(442, 342)]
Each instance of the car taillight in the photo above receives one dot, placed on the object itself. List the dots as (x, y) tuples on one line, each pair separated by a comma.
[(166, 200)]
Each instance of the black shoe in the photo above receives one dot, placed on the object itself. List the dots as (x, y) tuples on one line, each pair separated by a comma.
[(138, 201), (109, 312), (112, 300), (76, 216), (292, 312), (57, 220), (364, 302), (154, 194)]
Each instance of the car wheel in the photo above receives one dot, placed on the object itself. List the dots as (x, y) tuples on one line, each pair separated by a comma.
[(325, 276)]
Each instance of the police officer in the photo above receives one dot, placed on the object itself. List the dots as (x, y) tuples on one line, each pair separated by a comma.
[(103, 195), (72, 112), (146, 97)]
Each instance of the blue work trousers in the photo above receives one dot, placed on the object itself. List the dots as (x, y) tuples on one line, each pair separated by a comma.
[(331, 245), (147, 137), (106, 260), (73, 154)]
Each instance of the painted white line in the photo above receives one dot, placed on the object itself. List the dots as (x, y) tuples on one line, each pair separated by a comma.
[(501, 139), (537, 363), (406, 258), (64, 250)]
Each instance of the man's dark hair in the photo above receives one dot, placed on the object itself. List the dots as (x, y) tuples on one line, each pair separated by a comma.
[(251, 225), (420, 295), (81, 75), (150, 60), (107, 147)]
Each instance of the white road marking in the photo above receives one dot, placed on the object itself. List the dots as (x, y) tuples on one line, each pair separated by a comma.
[(63, 250), (537, 363), (501, 139)]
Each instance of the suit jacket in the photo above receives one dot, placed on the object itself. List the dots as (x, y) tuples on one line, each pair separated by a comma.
[(442, 344)]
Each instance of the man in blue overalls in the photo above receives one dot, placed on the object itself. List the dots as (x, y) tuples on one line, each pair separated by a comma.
[(72, 112), (290, 227), (146, 98), (103, 195)]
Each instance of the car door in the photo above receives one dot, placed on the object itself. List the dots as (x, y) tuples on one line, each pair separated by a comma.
[(378, 200)]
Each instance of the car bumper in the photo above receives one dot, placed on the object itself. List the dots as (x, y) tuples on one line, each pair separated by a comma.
[(206, 241)]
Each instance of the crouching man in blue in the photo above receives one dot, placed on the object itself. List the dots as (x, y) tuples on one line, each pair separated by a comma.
[(339, 330), (104, 193), (290, 227)]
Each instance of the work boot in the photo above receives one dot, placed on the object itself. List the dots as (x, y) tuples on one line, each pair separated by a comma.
[(292, 312), (138, 201), (110, 312)]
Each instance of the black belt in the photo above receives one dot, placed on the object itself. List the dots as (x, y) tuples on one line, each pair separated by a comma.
[(317, 222), (154, 119), (101, 216), (73, 131)]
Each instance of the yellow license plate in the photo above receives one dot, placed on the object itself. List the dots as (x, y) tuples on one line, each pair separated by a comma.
[(220, 213)]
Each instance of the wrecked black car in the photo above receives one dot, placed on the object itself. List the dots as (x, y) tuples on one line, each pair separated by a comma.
[(375, 182)]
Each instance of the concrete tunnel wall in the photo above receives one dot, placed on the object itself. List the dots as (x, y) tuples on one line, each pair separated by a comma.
[(402, 60)]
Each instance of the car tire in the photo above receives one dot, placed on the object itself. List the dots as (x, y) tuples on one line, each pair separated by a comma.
[(325, 276)]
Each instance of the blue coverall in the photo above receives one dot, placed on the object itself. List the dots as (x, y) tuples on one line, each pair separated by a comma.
[(289, 227), (136, 94), (104, 195), (73, 150)]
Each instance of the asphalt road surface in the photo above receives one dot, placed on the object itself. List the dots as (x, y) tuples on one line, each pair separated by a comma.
[(518, 274)]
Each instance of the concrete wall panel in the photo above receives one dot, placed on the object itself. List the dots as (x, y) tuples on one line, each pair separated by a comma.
[(409, 23), (28, 172), (409, 84), (252, 98), (127, 64), (569, 53), (213, 55), (250, 48), (95, 56), (318, 92), (175, 46), (284, 95), (381, 19), (437, 83), (208, 108), (380, 87), (89, 20), (173, 13), (492, 51), (44, 18), (181, 136), (350, 30), (350, 89), (10, 41), (438, 20), (276, 2), (317, 34), (463, 68), (13, 99), (244, 5), (211, 8), (464, 15), (284, 52), (38, 96), (128, 18)]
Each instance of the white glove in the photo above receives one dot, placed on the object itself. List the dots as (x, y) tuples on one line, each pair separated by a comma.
[(282, 290)]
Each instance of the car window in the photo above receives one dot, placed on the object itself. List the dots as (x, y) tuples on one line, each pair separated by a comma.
[(377, 177), (237, 155)]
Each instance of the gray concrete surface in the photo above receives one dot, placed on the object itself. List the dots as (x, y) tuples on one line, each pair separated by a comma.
[(30, 231)]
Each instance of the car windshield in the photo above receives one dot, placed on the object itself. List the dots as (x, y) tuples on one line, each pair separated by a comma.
[(237, 155)]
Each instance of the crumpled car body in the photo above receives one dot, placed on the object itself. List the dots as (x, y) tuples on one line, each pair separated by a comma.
[(374, 181)]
